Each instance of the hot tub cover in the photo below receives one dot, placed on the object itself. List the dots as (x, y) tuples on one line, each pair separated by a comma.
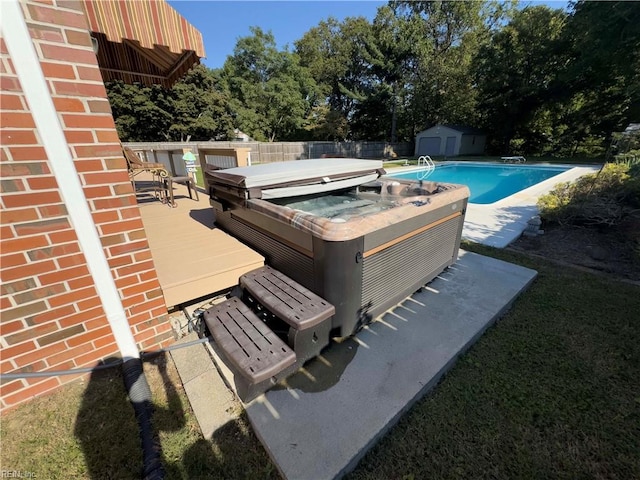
[(300, 177)]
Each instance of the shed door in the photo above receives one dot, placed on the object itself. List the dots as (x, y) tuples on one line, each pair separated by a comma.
[(429, 146), (450, 146)]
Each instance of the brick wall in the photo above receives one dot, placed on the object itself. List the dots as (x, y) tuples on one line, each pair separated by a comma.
[(50, 315)]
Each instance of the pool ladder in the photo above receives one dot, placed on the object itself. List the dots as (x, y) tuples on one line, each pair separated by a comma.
[(429, 167)]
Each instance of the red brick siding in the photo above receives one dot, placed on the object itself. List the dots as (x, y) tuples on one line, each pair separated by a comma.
[(51, 315)]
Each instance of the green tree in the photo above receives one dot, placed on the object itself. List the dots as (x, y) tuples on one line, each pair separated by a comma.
[(445, 38), (323, 123), (335, 54), (389, 53), (272, 94), (603, 72), (195, 108), (517, 73), (140, 113), (200, 108)]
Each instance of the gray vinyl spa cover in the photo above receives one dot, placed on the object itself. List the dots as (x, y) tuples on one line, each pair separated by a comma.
[(283, 179)]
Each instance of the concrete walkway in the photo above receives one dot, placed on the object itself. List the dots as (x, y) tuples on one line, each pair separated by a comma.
[(325, 418), (500, 223)]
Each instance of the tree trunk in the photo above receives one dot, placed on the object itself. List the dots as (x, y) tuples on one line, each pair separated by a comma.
[(394, 116)]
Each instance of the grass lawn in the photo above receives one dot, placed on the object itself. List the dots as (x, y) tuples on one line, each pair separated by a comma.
[(87, 430), (552, 390)]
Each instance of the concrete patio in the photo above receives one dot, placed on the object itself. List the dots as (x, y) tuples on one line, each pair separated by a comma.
[(316, 425), (323, 419)]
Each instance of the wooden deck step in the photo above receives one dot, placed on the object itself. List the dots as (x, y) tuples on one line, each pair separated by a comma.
[(286, 299), (249, 345)]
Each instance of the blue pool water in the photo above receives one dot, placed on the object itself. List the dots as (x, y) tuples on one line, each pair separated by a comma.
[(488, 183)]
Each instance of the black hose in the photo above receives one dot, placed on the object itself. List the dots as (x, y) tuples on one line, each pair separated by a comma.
[(140, 396), (190, 327)]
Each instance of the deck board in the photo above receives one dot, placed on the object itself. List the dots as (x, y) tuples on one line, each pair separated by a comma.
[(192, 257)]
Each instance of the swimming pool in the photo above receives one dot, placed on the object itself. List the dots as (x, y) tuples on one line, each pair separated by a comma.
[(488, 182)]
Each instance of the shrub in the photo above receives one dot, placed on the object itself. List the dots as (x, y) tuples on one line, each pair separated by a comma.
[(601, 199)]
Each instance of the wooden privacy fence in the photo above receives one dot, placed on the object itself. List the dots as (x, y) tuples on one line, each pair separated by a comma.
[(230, 154)]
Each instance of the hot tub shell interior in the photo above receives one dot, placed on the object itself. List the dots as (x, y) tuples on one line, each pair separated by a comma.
[(359, 241)]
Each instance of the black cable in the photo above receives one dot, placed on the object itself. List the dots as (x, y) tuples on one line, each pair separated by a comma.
[(145, 356)]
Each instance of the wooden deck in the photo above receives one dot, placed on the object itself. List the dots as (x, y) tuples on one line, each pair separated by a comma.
[(192, 257)]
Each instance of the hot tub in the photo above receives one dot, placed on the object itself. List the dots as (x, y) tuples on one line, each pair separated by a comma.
[(336, 226)]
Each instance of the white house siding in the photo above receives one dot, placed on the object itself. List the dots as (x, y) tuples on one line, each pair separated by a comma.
[(425, 140), (434, 141)]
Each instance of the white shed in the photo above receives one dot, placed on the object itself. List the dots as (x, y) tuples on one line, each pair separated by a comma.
[(450, 141)]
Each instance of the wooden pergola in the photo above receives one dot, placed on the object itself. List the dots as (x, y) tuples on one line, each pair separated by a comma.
[(145, 42)]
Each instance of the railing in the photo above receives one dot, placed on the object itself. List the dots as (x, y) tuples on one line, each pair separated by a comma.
[(429, 167)]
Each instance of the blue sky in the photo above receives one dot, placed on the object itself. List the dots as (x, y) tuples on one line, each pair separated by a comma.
[(223, 22)]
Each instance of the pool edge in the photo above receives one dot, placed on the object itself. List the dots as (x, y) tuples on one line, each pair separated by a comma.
[(500, 223)]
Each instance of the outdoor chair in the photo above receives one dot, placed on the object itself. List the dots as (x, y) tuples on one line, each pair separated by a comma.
[(136, 166)]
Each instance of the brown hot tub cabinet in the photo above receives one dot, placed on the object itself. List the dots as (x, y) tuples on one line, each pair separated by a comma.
[(337, 232)]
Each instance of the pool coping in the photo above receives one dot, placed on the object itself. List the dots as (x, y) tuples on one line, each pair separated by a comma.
[(500, 223)]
